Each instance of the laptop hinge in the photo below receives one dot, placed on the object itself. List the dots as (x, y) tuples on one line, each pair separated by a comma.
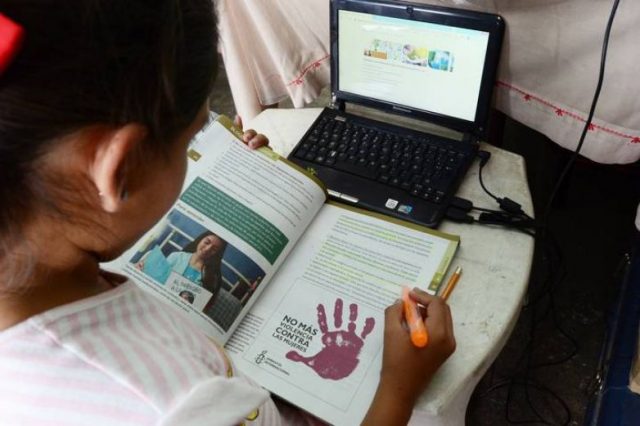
[(337, 104)]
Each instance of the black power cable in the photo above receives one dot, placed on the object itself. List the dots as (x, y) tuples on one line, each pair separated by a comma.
[(587, 124)]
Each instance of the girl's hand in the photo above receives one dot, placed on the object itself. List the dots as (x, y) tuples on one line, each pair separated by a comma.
[(407, 369), (253, 139)]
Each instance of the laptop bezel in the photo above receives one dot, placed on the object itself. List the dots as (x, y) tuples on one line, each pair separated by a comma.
[(492, 24)]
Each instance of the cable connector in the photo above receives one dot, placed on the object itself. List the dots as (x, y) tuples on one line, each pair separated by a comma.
[(484, 157), (461, 203), (505, 219), (457, 215), (508, 205)]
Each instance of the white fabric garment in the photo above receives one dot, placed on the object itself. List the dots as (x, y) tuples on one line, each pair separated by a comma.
[(274, 49)]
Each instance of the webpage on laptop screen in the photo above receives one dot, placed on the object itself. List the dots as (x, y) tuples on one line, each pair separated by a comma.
[(426, 66)]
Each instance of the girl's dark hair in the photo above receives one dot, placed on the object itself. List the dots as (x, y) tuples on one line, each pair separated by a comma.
[(212, 269), (97, 62)]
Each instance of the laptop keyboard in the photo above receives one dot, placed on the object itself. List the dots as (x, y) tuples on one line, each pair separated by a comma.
[(422, 165)]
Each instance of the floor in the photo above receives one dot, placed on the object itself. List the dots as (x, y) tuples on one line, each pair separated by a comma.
[(546, 372)]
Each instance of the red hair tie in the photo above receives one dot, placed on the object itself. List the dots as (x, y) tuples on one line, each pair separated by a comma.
[(11, 35)]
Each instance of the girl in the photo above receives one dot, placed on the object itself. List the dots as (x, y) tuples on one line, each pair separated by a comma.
[(97, 106), (201, 261)]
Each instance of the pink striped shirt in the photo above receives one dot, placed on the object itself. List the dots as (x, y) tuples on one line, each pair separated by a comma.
[(125, 358)]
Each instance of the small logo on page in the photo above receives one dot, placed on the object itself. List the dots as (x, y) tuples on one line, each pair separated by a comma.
[(391, 203), (260, 358)]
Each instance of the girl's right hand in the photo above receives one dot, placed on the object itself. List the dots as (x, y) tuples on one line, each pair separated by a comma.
[(405, 367)]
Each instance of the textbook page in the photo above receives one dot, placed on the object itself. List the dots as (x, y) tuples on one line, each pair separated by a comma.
[(247, 208), (315, 335)]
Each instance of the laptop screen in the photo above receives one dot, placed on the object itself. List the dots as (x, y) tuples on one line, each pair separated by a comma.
[(426, 66)]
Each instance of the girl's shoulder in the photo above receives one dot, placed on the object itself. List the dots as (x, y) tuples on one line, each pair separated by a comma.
[(123, 335)]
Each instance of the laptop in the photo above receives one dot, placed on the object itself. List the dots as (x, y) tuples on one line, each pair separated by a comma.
[(430, 63)]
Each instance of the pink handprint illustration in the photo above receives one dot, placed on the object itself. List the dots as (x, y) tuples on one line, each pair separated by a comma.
[(339, 357)]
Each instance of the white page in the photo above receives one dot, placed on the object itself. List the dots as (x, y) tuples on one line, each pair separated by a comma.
[(351, 267)]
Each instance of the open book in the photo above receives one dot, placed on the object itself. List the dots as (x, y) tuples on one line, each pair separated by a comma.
[(297, 288)]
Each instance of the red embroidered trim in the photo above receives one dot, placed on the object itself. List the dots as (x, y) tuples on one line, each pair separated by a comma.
[(528, 97), (299, 80)]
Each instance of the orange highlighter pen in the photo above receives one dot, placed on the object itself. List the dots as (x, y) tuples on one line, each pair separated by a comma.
[(414, 320)]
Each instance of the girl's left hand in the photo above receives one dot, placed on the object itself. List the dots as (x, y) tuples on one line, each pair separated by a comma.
[(253, 139)]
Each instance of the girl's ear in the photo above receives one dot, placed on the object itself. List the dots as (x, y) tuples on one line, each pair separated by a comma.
[(110, 157)]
